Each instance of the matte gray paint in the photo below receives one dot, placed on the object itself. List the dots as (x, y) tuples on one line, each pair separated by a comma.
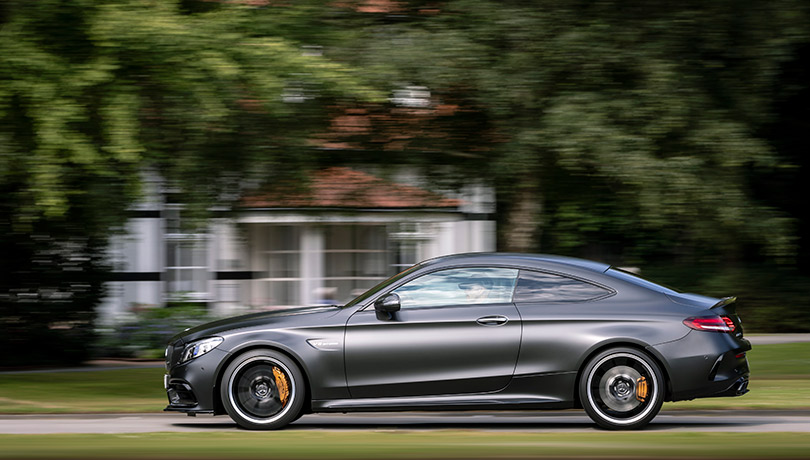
[(431, 351)]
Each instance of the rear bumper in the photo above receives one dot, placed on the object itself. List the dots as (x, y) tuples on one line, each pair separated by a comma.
[(706, 364), (739, 388)]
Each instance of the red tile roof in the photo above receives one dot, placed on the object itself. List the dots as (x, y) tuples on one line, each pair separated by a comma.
[(370, 6), (441, 127), (340, 187)]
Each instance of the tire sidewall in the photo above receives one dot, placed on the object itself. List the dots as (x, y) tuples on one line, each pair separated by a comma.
[(603, 420), (294, 407)]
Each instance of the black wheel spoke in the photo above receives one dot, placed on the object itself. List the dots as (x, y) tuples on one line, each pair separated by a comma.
[(256, 392), (623, 388)]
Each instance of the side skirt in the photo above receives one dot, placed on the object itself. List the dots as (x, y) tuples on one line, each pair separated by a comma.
[(463, 402)]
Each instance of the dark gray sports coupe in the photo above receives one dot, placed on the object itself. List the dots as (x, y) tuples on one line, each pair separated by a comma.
[(469, 331)]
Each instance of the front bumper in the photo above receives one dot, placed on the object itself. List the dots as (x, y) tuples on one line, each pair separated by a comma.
[(192, 387), (180, 394)]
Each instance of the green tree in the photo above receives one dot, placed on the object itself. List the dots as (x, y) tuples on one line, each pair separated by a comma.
[(94, 94), (622, 130)]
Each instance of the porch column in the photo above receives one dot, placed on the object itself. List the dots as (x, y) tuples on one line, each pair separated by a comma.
[(312, 263)]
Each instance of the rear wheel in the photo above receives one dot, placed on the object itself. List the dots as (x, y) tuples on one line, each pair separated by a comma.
[(622, 389), (262, 390)]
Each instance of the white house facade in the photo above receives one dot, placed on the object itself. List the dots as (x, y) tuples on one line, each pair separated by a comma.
[(347, 231)]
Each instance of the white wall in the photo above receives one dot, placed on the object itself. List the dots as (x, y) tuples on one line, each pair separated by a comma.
[(237, 245), (139, 250)]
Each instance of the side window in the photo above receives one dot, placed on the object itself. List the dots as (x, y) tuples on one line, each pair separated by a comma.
[(545, 287), (459, 286)]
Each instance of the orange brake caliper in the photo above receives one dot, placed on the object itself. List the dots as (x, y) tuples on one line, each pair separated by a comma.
[(281, 384), (641, 389)]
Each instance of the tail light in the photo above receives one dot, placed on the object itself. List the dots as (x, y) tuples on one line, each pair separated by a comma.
[(711, 323)]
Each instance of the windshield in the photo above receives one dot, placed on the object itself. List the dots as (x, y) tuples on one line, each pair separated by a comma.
[(370, 293), (639, 281)]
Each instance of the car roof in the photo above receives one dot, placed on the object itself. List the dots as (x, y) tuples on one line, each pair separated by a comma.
[(528, 260)]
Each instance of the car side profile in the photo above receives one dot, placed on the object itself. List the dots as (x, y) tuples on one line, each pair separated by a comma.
[(469, 332)]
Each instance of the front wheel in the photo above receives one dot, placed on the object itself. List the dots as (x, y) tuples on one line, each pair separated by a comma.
[(621, 389), (262, 390)]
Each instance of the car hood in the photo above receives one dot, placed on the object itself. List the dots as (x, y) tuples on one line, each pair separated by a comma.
[(285, 317)]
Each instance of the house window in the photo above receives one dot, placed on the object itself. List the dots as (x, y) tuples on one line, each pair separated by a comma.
[(356, 258), (186, 261), (281, 260), (404, 254), (405, 240)]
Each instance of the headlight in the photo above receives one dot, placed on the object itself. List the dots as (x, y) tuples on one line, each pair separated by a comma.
[(199, 348)]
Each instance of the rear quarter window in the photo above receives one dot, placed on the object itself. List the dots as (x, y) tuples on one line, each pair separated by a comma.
[(535, 286)]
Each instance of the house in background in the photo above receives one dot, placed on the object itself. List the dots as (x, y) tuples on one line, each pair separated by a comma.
[(325, 244)]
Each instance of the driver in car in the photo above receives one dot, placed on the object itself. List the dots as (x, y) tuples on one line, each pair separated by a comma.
[(476, 290)]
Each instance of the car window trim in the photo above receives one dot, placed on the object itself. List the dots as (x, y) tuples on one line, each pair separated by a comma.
[(610, 291), (449, 267), (455, 305)]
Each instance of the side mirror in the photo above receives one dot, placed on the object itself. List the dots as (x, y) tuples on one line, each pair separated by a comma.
[(387, 304)]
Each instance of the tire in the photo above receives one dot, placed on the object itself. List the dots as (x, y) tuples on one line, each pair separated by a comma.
[(253, 393), (621, 389)]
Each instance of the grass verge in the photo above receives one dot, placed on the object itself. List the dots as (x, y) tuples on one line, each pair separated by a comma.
[(764, 395), (127, 390), (406, 445)]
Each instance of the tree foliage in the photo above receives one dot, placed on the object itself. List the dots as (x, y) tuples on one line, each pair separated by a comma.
[(93, 94), (633, 132), (635, 129), (109, 87)]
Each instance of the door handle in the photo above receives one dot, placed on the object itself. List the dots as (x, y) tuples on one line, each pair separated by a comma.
[(495, 320)]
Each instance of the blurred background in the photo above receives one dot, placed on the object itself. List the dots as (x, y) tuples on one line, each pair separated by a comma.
[(165, 162)]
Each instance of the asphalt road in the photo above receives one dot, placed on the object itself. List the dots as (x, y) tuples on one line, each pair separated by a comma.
[(541, 422)]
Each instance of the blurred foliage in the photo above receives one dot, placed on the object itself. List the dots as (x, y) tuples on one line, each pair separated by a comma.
[(770, 299), (667, 136), (93, 94), (640, 133), (639, 119), (50, 290), (146, 334), (104, 89)]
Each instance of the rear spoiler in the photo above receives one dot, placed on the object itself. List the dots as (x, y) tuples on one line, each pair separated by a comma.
[(724, 302)]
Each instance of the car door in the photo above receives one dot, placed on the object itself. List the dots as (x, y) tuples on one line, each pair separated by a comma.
[(457, 332)]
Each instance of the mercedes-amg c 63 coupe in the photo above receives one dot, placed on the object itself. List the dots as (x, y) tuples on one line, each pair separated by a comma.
[(469, 332)]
